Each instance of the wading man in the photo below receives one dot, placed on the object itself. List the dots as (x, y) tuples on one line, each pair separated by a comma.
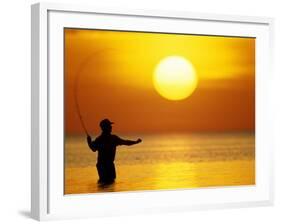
[(106, 145)]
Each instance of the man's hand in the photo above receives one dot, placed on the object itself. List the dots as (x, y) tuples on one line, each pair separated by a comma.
[(89, 139), (138, 141)]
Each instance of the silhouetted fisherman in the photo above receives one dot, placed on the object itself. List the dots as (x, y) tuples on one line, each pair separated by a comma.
[(106, 144)]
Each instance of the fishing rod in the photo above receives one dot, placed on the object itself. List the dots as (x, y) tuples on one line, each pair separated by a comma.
[(76, 84)]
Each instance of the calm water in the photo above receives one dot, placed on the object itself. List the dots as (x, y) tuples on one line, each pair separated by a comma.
[(165, 162)]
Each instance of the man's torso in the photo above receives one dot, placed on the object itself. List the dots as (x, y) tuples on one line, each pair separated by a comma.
[(106, 148)]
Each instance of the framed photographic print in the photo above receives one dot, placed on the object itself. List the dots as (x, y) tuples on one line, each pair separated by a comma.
[(138, 111)]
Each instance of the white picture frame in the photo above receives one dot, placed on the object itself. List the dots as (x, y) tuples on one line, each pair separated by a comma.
[(48, 201)]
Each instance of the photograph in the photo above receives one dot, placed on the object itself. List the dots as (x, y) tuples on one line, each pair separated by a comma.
[(148, 111)]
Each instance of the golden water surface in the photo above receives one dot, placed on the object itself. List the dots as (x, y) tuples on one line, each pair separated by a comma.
[(165, 162)]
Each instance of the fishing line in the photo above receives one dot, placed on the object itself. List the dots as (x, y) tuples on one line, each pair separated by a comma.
[(76, 85)]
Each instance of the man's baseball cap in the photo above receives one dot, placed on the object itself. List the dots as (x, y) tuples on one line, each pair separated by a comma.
[(105, 122)]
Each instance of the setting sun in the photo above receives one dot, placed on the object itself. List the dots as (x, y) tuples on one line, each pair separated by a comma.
[(175, 78)]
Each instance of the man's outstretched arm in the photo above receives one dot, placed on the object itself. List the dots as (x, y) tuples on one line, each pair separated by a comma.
[(129, 142)]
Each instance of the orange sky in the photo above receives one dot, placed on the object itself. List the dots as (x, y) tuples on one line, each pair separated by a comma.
[(116, 82)]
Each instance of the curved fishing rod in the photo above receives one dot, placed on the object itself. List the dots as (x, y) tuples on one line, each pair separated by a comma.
[(76, 83)]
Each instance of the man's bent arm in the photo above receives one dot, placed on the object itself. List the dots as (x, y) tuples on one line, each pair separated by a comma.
[(91, 144)]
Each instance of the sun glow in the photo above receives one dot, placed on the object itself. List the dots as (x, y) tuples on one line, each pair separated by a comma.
[(175, 78)]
